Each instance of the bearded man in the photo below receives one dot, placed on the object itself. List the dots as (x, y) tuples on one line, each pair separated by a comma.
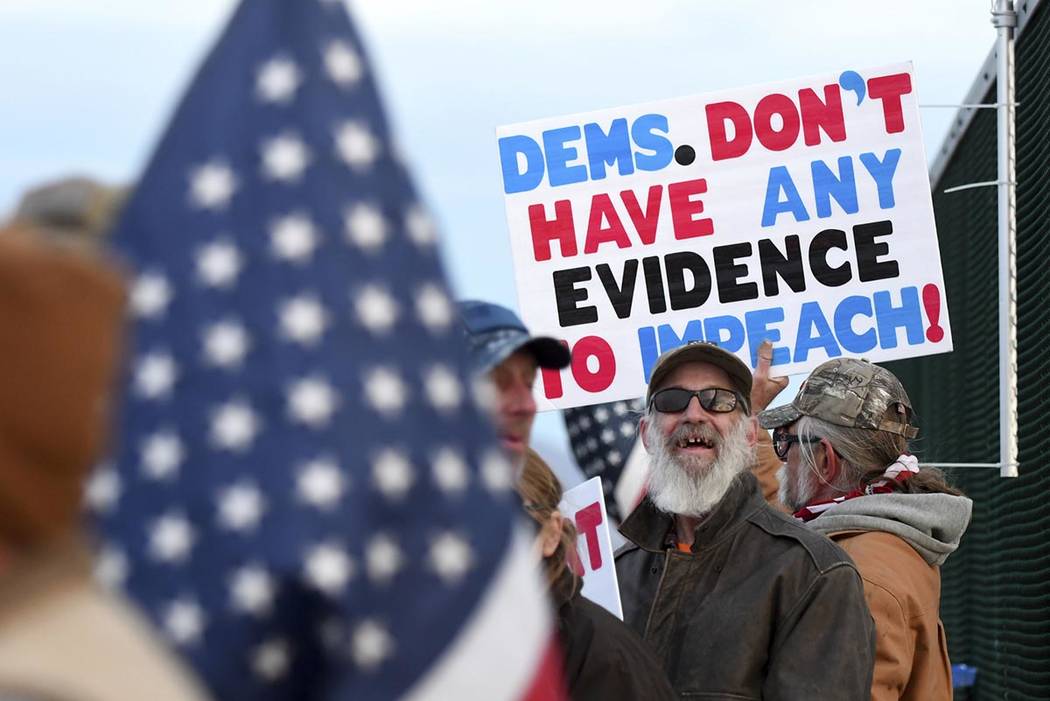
[(737, 599)]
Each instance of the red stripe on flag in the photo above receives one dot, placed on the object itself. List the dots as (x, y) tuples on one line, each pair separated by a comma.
[(548, 683)]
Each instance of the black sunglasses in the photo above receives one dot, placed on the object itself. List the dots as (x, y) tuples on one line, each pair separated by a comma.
[(782, 441), (714, 399)]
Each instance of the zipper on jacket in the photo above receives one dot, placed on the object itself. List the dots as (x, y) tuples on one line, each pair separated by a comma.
[(656, 597)]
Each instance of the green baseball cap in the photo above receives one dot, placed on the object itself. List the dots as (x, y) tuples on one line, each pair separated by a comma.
[(852, 393)]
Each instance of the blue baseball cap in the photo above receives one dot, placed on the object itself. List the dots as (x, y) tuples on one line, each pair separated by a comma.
[(494, 333)]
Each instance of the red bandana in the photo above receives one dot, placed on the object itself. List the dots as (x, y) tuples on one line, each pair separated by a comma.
[(899, 471)]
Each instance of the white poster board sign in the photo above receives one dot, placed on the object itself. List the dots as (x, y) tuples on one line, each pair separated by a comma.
[(584, 506), (797, 211)]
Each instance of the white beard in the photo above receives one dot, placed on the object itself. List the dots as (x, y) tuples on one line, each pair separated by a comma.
[(692, 487), (795, 491)]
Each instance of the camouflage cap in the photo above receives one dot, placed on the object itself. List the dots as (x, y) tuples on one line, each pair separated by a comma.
[(852, 393)]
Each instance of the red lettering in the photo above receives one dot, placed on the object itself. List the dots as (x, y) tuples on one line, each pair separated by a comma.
[(776, 139), (644, 222), (684, 209), (599, 348), (587, 521), (718, 114), (551, 378), (546, 230), (826, 114), (601, 211), (889, 89)]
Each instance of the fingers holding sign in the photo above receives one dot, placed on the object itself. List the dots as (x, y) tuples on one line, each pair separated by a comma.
[(765, 388)]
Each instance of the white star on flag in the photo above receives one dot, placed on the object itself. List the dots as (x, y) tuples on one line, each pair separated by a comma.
[(342, 64), (233, 426), (111, 568), (285, 157), (450, 557), (184, 621), (102, 490), (496, 472), (252, 590), (150, 295), (241, 507), (370, 644), (450, 471), (393, 474), (225, 344), (155, 375), (385, 391), (376, 309), (312, 401), (293, 238), (365, 227), (212, 185), (443, 388), (271, 659), (356, 145), (328, 568), (218, 264), (383, 558), (277, 80), (161, 454), (420, 227), (170, 538), (303, 319), (321, 483), (434, 308)]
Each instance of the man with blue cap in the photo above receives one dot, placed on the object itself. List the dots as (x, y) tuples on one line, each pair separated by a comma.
[(501, 348)]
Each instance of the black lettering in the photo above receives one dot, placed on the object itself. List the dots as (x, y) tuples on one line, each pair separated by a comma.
[(620, 296), (787, 265), (569, 296), (677, 264), (654, 285), (728, 272), (869, 267), (818, 258)]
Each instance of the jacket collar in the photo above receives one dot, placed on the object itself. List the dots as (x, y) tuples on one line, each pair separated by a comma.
[(647, 526)]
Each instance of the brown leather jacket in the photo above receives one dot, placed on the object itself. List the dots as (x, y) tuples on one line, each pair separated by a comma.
[(762, 608)]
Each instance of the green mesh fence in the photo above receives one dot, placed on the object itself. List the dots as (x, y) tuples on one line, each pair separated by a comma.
[(996, 588)]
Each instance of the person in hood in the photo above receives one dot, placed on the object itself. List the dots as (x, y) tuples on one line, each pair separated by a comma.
[(847, 473), (602, 659)]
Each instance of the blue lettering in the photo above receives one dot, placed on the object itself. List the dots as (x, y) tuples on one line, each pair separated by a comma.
[(643, 131), (670, 340), (826, 185), (647, 347), (608, 149), (845, 312), (559, 156), (513, 179), (715, 325), (889, 318), (780, 180), (757, 323), (882, 173), (811, 319)]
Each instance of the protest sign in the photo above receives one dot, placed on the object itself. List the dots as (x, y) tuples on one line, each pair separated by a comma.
[(584, 506), (797, 211)]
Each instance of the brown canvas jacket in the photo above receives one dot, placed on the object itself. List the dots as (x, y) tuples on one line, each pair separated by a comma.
[(762, 608), (904, 595)]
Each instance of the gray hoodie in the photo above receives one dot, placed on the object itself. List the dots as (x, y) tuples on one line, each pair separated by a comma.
[(931, 523)]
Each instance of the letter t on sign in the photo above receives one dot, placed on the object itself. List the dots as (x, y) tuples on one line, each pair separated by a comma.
[(587, 521)]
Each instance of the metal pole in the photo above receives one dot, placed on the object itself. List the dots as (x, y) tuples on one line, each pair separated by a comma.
[(1005, 20)]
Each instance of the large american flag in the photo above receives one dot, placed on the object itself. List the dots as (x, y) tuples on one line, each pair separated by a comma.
[(305, 498)]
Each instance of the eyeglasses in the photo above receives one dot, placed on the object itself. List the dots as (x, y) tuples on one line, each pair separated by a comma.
[(714, 399), (782, 441)]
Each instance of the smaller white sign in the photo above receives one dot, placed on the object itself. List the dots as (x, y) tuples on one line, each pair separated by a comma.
[(584, 506)]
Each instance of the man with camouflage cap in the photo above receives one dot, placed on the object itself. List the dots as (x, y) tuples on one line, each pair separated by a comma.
[(848, 474)]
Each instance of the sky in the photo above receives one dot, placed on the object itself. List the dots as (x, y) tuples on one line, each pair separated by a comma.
[(89, 86)]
